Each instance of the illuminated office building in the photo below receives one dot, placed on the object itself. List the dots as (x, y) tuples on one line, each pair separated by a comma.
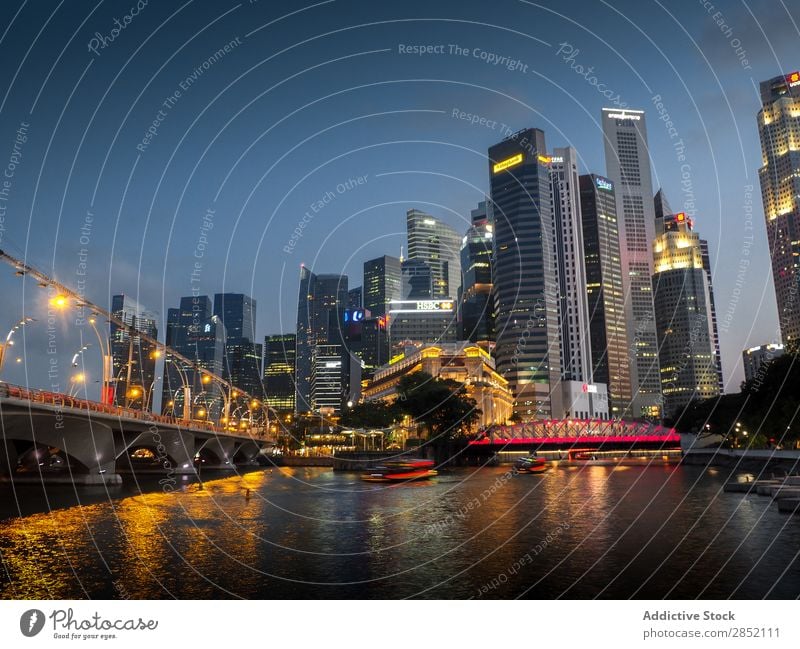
[(628, 168), (779, 175), (438, 245), (683, 321), (606, 299), (525, 274)]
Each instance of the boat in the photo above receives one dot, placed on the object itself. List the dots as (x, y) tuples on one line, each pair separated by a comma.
[(400, 471), (531, 464)]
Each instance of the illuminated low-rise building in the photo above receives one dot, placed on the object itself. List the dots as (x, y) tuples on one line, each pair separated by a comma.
[(464, 362)]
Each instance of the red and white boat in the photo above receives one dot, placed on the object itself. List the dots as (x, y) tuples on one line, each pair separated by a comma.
[(400, 470)]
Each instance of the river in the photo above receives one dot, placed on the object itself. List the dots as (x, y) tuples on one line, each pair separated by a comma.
[(655, 531)]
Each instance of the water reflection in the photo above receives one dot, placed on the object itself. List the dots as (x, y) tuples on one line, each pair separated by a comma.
[(593, 530)]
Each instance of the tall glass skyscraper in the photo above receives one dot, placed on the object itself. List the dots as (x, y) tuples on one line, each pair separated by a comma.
[(779, 175), (196, 333), (476, 305), (604, 289), (683, 318), (242, 361), (628, 167), (525, 274), (318, 294), (438, 245), (417, 280), (382, 284)]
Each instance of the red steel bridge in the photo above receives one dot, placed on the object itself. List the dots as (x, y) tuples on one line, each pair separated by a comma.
[(578, 433)]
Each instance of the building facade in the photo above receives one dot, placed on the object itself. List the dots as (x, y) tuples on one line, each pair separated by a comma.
[(628, 167), (279, 371), (382, 284), (438, 245), (756, 358), (317, 295), (196, 333), (605, 293), (525, 274), (421, 322), (417, 280), (683, 317), (779, 176), (133, 359), (476, 305), (242, 359), (462, 362)]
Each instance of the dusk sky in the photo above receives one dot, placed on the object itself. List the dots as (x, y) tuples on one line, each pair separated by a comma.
[(306, 98)]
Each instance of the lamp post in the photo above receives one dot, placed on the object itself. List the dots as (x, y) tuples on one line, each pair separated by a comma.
[(9, 338), (150, 392), (106, 390)]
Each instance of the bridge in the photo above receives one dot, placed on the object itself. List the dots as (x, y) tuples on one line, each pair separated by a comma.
[(578, 434), (52, 437)]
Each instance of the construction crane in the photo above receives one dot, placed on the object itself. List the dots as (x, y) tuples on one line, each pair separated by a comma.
[(61, 301)]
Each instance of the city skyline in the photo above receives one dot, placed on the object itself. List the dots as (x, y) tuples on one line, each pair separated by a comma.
[(578, 128)]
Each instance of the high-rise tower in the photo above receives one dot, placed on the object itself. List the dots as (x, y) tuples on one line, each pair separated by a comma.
[(382, 284), (317, 296), (779, 130), (525, 281), (606, 298), (476, 305), (683, 317), (438, 245), (628, 167)]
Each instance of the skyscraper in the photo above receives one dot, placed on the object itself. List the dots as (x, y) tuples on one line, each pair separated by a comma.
[(318, 294), (382, 284), (606, 299), (525, 274), (355, 298), (196, 333), (568, 241), (779, 175), (582, 395), (663, 211), (133, 359), (242, 360), (476, 306), (417, 280), (279, 370), (628, 167), (683, 318), (438, 245)]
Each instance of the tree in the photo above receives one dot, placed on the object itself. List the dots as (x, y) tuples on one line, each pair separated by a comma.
[(370, 414), (440, 405)]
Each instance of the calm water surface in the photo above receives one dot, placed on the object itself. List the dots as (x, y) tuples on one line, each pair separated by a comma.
[(574, 532)]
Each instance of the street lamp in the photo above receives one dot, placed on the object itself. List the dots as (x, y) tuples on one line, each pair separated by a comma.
[(150, 393), (77, 381), (9, 342)]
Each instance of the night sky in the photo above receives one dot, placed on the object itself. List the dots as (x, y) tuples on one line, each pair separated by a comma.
[(265, 111)]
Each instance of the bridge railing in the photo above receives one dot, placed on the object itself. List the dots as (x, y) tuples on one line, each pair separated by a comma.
[(60, 400), (545, 429)]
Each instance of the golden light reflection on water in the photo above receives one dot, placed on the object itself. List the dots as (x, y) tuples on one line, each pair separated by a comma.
[(283, 533)]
